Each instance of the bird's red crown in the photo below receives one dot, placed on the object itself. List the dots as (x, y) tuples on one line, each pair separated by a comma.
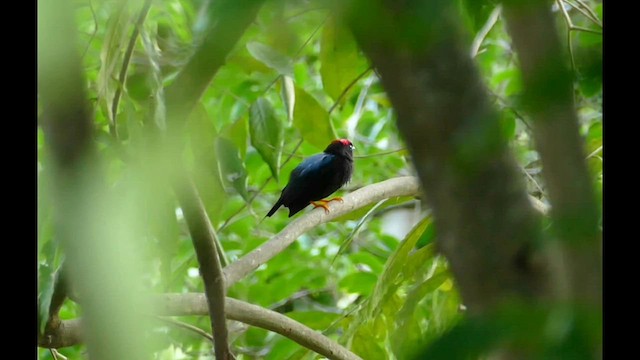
[(344, 142)]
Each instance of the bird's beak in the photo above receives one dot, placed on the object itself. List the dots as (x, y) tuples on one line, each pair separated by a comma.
[(352, 147)]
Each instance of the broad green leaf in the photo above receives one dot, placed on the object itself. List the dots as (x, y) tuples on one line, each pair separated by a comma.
[(282, 349), (288, 93), (270, 57), (339, 59), (418, 259), (312, 120), (388, 282), (508, 125), (374, 263), (317, 320), (365, 346), (46, 277), (355, 230), (239, 134), (157, 88), (266, 133), (428, 236), (114, 43), (231, 167), (358, 283)]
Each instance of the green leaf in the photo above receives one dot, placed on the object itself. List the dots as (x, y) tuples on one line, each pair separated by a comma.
[(272, 58), (388, 282), (312, 120), (340, 63), (317, 320), (508, 125), (46, 285), (282, 349), (113, 44), (231, 167), (355, 230), (288, 94), (365, 346), (373, 262), (238, 133), (266, 133), (358, 283), (157, 89)]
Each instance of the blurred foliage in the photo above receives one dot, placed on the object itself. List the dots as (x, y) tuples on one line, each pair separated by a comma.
[(295, 81)]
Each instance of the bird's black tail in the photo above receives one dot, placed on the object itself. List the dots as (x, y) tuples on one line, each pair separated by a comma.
[(275, 207)]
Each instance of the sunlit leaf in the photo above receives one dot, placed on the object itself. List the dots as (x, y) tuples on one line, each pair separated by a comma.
[(288, 94), (388, 282), (339, 58), (113, 46), (231, 167), (317, 320), (266, 132), (46, 284), (270, 57), (312, 120), (358, 283)]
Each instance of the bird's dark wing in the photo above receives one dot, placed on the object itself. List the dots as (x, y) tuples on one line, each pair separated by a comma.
[(312, 167)]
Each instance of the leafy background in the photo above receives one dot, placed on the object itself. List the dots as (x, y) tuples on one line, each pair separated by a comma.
[(296, 80)]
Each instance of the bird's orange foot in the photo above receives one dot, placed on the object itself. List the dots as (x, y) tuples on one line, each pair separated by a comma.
[(323, 203)]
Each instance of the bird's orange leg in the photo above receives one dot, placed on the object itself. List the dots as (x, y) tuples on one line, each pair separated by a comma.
[(323, 203)]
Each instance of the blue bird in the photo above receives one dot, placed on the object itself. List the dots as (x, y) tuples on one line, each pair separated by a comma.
[(317, 177)]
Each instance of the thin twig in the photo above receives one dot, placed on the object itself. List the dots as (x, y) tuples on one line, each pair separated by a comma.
[(122, 77), (95, 29), (569, 29), (589, 10), (595, 152), (184, 325), (485, 30), (346, 89), (380, 153), (532, 180), (587, 14), (298, 52), (584, 29)]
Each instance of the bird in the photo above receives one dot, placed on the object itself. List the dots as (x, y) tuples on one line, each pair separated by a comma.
[(317, 177)]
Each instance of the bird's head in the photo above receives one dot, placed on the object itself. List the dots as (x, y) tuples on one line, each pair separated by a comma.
[(341, 147)]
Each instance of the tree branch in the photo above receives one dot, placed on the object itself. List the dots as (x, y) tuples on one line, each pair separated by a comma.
[(371, 194), (69, 333), (204, 239), (487, 228), (122, 77), (549, 98)]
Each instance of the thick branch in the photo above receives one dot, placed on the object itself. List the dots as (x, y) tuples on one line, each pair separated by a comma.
[(69, 333), (79, 195), (549, 98), (486, 226), (204, 239), (371, 194)]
